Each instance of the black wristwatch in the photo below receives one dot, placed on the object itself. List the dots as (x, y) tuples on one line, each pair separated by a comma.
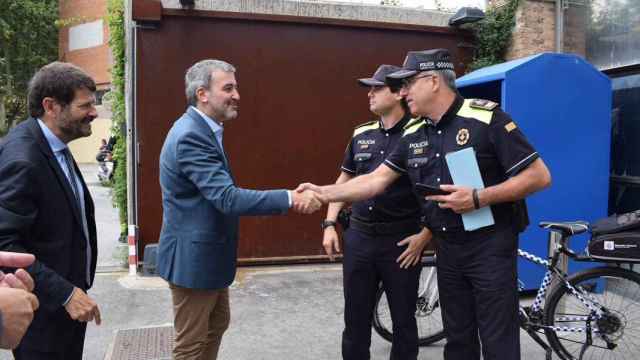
[(326, 223)]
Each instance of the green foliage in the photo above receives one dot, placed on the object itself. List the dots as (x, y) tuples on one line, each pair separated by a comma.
[(115, 19), (28, 40), (493, 35)]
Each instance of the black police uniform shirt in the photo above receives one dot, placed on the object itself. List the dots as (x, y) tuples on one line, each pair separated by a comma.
[(501, 149), (368, 148)]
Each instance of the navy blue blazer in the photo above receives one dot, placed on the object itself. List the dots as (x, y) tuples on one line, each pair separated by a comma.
[(39, 215), (201, 207)]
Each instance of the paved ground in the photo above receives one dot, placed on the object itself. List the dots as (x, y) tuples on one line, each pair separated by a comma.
[(278, 313), (111, 253)]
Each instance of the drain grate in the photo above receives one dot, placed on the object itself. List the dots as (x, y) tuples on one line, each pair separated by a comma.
[(150, 343)]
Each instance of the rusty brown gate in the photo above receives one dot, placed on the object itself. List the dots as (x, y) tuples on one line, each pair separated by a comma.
[(299, 104)]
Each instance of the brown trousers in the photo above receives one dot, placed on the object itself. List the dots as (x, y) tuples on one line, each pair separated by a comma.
[(200, 319)]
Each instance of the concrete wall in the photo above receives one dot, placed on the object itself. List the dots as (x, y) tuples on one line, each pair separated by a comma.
[(320, 9)]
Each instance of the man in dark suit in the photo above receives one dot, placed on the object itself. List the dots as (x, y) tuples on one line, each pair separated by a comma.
[(201, 207), (46, 210)]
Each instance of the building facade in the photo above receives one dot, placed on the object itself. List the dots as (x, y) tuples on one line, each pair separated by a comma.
[(607, 34), (84, 41)]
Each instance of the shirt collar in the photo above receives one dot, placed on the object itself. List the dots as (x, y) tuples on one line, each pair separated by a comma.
[(399, 126), (55, 143), (215, 127), (451, 112)]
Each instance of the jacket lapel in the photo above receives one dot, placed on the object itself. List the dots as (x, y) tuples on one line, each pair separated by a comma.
[(205, 129), (55, 166)]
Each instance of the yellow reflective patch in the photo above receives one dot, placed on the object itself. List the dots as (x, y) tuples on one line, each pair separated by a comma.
[(371, 126), (413, 128), (481, 115), (412, 122), (510, 126)]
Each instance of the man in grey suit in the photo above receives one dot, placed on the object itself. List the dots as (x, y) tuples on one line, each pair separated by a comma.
[(201, 207)]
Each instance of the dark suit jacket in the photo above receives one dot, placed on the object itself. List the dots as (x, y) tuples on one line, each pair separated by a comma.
[(39, 215), (201, 207)]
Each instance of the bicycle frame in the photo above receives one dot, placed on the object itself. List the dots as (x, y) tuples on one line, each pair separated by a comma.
[(431, 286), (537, 308)]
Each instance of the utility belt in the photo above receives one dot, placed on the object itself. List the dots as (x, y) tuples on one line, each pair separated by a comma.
[(385, 228), (459, 232)]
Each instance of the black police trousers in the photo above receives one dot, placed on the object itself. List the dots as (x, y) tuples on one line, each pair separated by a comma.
[(477, 281), (368, 260)]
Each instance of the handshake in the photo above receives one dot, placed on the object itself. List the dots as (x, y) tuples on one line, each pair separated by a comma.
[(307, 198)]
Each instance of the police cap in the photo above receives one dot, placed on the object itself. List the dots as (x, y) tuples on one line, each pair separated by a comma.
[(417, 61), (379, 77)]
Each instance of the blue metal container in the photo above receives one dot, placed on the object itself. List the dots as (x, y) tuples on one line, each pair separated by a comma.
[(563, 106)]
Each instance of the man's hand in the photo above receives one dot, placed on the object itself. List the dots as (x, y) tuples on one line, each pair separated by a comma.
[(460, 200), (309, 186), (413, 253), (21, 279), (330, 241), (17, 307), (82, 308), (305, 202), (16, 260)]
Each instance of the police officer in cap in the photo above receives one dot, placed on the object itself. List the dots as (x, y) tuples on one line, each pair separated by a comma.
[(477, 274), (384, 241)]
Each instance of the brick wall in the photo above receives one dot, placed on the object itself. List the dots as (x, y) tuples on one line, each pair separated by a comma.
[(534, 31), (95, 60)]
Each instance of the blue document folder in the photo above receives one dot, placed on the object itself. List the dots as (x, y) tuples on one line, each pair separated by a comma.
[(464, 171)]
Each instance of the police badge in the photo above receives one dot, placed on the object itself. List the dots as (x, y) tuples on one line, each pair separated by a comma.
[(462, 137)]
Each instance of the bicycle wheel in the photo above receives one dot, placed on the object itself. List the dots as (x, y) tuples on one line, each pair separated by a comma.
[(428, 318), (618, 291)]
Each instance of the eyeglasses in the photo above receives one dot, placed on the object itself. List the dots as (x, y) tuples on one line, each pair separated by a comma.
[(408, 82)]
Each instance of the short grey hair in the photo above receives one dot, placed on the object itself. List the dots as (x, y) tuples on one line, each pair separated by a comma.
[(200, 75), (448, 76)]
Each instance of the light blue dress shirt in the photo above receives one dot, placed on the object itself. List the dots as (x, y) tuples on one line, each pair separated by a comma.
[(215, 127)]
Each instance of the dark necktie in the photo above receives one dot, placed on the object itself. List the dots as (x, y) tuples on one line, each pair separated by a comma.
[(75, 186)]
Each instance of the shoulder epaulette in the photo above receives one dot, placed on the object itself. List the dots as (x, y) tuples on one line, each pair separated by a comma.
[(481, 110), (483, 104), (371, 125), (413, 126)]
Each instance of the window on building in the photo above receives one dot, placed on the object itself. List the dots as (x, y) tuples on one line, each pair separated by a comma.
[(613, 35), (86, 35), (99, 95), (624, 195)]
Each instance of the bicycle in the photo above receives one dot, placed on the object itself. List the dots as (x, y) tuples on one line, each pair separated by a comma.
[(591, 314)]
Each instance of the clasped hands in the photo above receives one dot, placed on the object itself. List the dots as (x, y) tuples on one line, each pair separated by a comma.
[(307, 198)]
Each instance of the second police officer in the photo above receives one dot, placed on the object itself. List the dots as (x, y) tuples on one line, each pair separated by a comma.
[(384, 241)]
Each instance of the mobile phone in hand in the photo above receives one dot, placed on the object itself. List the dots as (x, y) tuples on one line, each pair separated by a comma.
[(428, 190)]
